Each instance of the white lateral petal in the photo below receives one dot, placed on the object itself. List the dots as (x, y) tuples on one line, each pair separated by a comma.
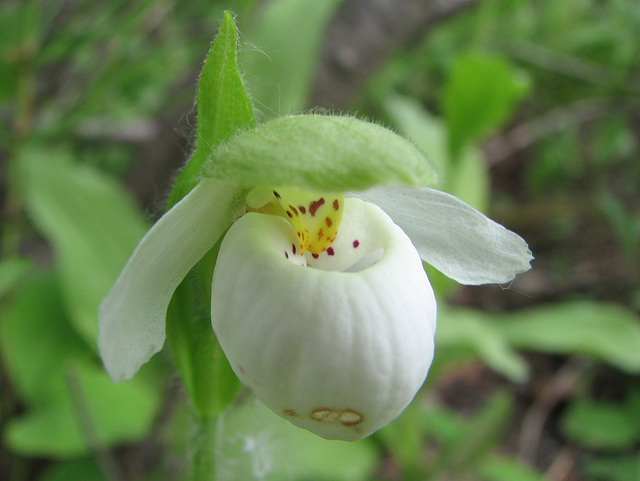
[(452, 236), (132, 316), (338, 353)]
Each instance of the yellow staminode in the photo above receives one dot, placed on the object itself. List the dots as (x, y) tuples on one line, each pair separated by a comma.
[(315, 217)]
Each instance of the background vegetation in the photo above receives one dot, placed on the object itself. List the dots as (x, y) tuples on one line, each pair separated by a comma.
[(531, 111)]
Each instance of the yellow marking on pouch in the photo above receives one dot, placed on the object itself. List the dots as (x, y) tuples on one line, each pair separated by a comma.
[(315, 217)]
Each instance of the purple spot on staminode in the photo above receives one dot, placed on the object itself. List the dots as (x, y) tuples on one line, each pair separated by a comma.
[(356, 243), (330, 251), (315, 205)]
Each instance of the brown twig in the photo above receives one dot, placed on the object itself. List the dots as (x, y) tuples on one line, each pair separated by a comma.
[(561, 63), (559, 387), (520, 137), (562, 465), (364, 35)]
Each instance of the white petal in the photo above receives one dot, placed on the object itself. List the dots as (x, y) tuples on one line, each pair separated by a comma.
[(132, 316), (338, 353), (452, 236)]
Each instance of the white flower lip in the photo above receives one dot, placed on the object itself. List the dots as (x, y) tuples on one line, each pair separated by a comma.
[(338, 353)]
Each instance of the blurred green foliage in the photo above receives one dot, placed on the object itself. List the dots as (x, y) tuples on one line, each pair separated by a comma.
[(73, 405), (82, 81)]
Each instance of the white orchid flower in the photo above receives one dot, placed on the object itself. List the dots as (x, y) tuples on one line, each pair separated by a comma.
[(320, 302)]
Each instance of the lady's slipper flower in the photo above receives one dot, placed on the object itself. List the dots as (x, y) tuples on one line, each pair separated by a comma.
[(337, 342), (320, 303)]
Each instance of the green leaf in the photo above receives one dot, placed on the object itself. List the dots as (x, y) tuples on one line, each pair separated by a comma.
[(319, 153), (222, 103), (482, 433), (70, 403), (484, 429), (33, 359), (623, 222), (508, 469), (466, 328), (469, 179), (444, 425), (479, 96), (91, 222), (606, 332), (11, 270), (603, 425), (288, 40), (620, 468), (86, 409), (404, 438), (80, 470)]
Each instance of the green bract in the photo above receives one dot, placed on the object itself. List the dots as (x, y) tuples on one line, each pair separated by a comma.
[(222, 105), (319, 153)]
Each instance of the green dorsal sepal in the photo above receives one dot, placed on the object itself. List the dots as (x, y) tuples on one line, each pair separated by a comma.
[(324, 153)]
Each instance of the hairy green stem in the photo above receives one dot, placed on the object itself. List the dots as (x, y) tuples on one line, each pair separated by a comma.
[(202, 446)]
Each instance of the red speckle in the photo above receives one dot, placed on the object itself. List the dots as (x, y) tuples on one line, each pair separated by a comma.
[(295, 212), (299, 234), (315, 205), (336, 204), (289, 214), (286, 254), (315, 256), (330, 251), (328, 221), (302, 209), (320, 234), (293, 246), (276, 194), (356, 243)]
